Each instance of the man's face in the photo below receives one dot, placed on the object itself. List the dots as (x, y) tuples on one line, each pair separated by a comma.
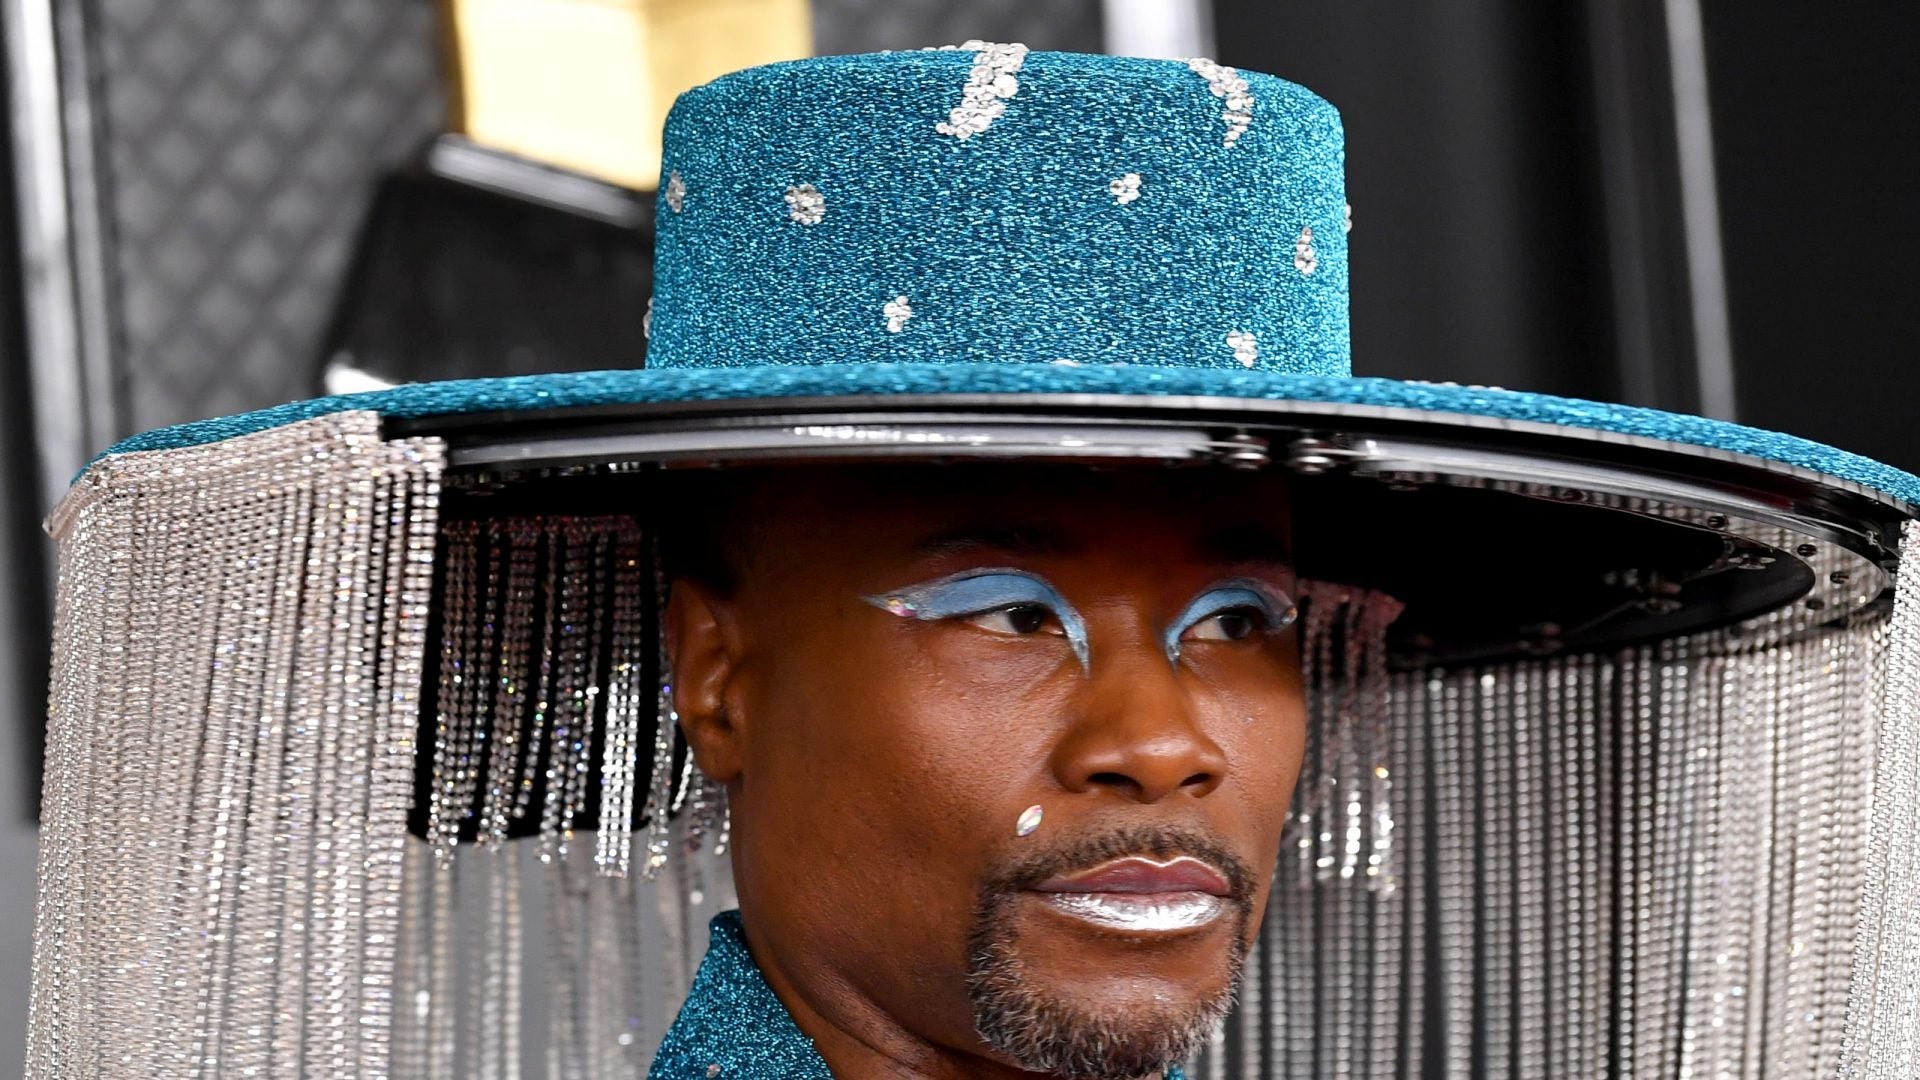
[(908, 660)]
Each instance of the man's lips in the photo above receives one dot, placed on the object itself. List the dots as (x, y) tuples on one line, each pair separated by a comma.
[(1139, 875)]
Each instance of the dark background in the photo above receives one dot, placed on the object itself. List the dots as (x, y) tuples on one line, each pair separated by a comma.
[(1515, 168)]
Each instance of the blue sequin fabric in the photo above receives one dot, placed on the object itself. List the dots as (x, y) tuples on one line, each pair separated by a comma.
[(733, 1026), (1099, 214), (732, 1020)]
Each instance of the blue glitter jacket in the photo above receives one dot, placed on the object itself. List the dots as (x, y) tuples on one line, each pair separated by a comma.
[(733, 1026)]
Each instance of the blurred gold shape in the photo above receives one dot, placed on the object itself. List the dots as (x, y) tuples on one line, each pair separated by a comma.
[(586, 84)]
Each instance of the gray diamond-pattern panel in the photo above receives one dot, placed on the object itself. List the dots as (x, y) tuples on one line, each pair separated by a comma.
[(242, 139), (858, 26)]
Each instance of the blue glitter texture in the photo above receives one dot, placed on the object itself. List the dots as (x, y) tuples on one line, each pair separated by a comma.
[(733, 1020), (1008, 246), (1012, 253)]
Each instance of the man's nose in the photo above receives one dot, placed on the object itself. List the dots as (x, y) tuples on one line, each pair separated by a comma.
[(1137, 735)]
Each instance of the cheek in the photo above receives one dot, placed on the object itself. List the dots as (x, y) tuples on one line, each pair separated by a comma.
[(905, 743), (1257, 712)]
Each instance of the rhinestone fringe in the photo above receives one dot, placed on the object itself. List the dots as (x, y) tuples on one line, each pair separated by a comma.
[(1640, 865), (1691, 859), (230, 755)]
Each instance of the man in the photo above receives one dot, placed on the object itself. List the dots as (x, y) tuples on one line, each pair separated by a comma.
[(1008, 755)]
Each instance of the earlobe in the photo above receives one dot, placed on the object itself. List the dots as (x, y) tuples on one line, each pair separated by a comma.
[(703, 654)]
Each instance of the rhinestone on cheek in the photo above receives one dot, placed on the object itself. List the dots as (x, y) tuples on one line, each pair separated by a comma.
[(1125, 189), (1029, 820), (805, 204), (675, 193)]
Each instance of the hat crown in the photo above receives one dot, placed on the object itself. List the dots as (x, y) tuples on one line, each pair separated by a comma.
[(988, 204)]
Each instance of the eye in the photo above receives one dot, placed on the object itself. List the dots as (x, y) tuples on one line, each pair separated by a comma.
[(1002, 600), (1234, 624), (1015, 619), (1232, 611)]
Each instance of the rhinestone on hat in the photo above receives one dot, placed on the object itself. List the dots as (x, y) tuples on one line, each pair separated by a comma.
[(1245, 348), (805, 204), (992, 81), (676, 191), (897, 311), (1226, 83), (1125, 189), (1304, 258)]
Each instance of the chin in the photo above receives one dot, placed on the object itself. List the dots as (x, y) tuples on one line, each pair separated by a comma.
[(1061, 995)]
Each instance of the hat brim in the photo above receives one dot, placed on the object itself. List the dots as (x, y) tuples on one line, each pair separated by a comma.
[(1629, 524)]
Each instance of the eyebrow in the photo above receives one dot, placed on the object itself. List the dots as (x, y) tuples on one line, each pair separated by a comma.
[(1244, 544), (1016, 538)]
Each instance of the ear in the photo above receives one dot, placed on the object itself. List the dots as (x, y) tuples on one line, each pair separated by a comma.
[(703, 651)]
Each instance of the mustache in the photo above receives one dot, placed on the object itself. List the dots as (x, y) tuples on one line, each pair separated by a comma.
[(1073, 854)]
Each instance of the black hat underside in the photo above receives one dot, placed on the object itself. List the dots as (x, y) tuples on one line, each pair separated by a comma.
[(1503, 538)]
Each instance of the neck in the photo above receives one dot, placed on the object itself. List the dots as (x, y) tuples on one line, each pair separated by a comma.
[(860, 1041)]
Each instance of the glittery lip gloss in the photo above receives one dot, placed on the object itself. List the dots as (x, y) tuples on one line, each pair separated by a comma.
[(1140, 895), (1156, 913)]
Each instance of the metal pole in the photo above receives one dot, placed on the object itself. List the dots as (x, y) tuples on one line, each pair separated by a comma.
[(1700, 209), (1168, 29), (66, 317)]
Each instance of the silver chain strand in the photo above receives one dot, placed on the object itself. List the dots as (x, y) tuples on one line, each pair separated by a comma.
[(626, 702), (666, 728), (443, 809), (531, 769), (499, 807)]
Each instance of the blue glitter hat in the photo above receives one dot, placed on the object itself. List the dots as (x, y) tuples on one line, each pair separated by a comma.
[(847, 242), (1000, 206)]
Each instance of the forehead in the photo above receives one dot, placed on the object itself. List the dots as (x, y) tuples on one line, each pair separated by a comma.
[(908, 510)]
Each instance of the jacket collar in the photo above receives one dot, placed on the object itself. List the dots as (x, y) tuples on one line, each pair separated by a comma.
[(734, 1028)]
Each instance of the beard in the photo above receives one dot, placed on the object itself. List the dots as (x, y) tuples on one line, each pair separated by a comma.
[(1045, 1031)]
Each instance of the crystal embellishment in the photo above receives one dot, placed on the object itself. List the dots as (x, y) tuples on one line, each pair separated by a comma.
[(1346, 217), (991, 82), (805, 204), (1226, 83), (1029, 820), (1125, 189), (676, 191), (1305, 259), (897, 311), (1245, 348)]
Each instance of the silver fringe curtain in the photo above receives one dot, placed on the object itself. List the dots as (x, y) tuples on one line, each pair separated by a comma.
[(1697, 858), (238, 655)]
